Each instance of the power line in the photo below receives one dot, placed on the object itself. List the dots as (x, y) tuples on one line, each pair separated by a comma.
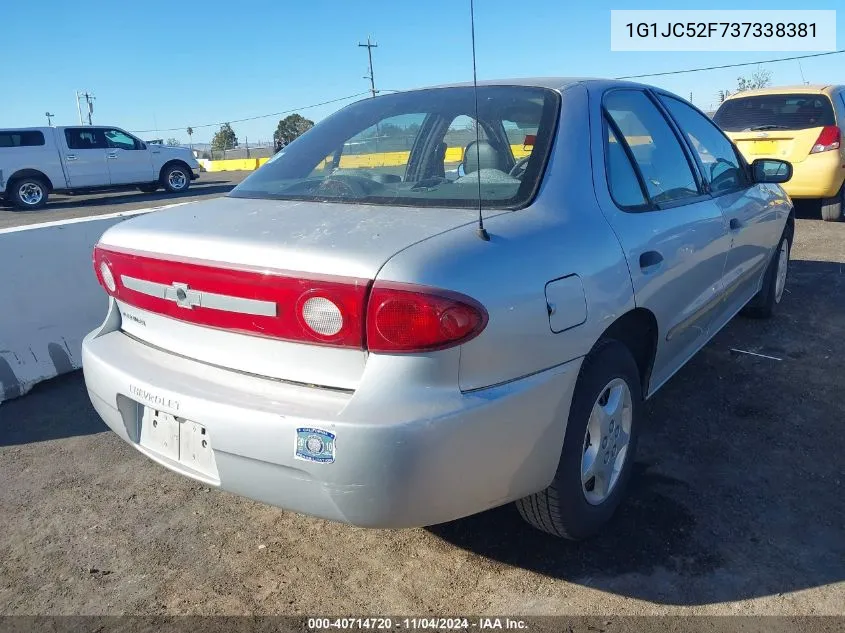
[(260, 116), (765, 61)]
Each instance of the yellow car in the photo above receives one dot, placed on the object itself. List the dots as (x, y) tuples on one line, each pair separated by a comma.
[(799, 124)]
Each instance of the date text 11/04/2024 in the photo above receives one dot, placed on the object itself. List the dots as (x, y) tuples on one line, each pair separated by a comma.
[(417, 624), (722, 29)]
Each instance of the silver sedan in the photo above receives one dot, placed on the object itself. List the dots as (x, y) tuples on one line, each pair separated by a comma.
[(439, 301)]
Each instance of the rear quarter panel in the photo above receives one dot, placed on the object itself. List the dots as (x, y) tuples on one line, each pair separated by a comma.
[(42, 158), (562, 233)]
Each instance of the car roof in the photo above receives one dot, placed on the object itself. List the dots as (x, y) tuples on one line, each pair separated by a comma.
[(796, 89), (553, 83)]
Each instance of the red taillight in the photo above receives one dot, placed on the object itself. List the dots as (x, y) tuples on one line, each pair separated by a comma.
[(277, 304), (399, 318), (829, 139), (405, 318)]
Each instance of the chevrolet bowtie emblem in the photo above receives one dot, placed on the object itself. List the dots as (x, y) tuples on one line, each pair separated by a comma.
[(183, 296)]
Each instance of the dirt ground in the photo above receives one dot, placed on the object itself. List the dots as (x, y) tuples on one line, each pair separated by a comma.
[(737, 506)]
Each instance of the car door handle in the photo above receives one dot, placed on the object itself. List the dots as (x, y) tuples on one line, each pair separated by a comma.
[(112, 155), (70, 156), (650, 261), (735, 224)]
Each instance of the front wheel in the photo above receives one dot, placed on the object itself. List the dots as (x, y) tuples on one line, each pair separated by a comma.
[(29, 193), (598, 448), (176, 179), (762, 306)]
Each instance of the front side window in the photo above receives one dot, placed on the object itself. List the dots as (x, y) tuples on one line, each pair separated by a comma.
[(775, 112), (85, 138), (658, 154), (21, 138), (721, 166), (120, 140), (418, 148)]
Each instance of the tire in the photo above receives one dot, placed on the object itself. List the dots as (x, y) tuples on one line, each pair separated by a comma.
[(172, 181), (763, 305), (149, 188), (832, 207), (28, 193), (568, 507)]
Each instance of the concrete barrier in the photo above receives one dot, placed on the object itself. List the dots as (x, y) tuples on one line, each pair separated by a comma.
[(49, 297), (350, 161)]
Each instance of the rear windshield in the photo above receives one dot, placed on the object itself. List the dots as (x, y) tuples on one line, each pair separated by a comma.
[(775, 112), (21, 138), (419, 148)]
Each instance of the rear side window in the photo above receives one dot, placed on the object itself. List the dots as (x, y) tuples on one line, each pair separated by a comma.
[(85, 138), (775, 112), (21, 138), (659, 157)]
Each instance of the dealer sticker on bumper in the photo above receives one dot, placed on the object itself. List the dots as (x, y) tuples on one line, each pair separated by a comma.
[(315, 445)]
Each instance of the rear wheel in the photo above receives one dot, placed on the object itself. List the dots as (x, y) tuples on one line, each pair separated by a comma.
[(832, 207), (28, 193), (176, 178), (598, 449)]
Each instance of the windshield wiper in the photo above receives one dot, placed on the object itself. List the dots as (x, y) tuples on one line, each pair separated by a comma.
[(759, 128)]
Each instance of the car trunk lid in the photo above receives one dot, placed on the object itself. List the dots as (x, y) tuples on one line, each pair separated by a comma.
[(224, 281), (791, 145)]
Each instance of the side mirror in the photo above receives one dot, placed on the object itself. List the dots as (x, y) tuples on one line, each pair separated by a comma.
[(771, 170), (461, 171), (143, 145)]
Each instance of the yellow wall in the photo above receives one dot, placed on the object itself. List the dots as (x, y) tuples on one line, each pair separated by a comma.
[(352, 161)]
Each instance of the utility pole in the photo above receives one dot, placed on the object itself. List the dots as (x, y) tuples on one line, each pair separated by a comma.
[(370, 46), (89, 98), (78, 107), (49, 118)]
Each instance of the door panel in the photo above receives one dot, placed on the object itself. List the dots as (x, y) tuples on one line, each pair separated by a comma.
[(673, 234), (128, 159), (84, 157), (752, 223)]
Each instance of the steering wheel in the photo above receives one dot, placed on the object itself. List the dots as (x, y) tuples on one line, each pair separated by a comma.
[(342, 186), (518, 170)]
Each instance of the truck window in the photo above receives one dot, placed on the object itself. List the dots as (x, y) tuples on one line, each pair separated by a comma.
[(121, 140), (85, 138), (21, 138)]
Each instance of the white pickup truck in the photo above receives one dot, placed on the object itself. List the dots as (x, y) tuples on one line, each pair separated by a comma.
[(37, 161)]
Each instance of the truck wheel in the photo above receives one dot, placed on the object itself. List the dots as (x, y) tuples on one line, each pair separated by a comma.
[(832, 207), (598, 449), (148, 188), (29, 193), (762, 306), (176, 179)]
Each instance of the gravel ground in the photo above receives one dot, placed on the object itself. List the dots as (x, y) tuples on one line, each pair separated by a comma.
[(63, 207), (737, 506)]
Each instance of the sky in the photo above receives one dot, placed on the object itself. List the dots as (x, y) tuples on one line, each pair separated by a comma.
[(156, 64)]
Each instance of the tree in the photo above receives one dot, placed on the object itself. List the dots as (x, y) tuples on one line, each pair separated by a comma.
[(760, 78), (173, 141), (190, 132), (224, 138), (291, 127)]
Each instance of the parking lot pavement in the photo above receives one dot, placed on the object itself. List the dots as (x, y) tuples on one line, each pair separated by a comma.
[(63, 207), (737, 505)]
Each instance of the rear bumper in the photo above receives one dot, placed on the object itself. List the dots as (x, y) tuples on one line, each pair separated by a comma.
[(817, 176), (471, 452)]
